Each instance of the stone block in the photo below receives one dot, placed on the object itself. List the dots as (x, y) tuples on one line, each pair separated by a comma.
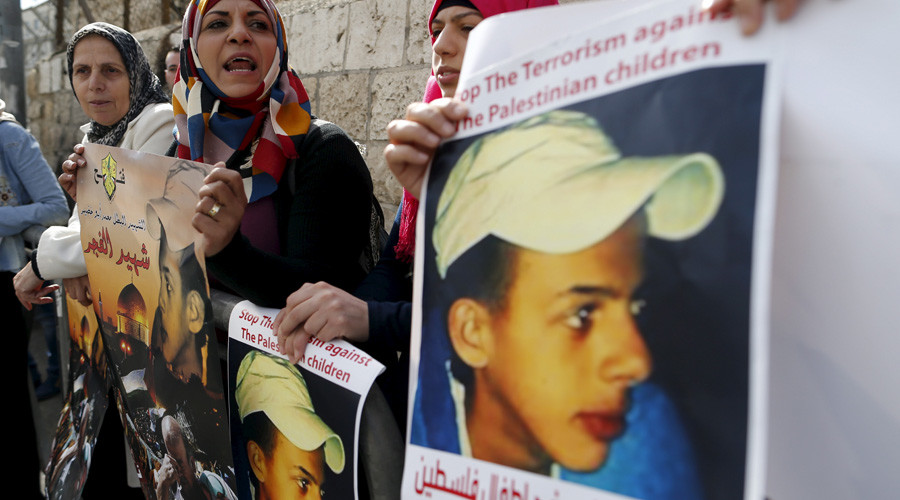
[(31, 84), (418, 50), (44, 77), (317, 38), (311, 84), (377, 34), (35, 109), (387, 189), (391, 93), (144, 15), (390, 212), (59, 77), (344, 100)]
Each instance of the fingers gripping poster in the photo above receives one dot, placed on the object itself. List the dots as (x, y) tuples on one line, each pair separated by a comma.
[(154, 315), (593, 266)]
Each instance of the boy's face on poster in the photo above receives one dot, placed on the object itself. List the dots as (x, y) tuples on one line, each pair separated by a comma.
[(561, 353), (290, 472)]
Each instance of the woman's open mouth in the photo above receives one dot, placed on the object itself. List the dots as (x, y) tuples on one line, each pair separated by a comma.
[(240, 64)]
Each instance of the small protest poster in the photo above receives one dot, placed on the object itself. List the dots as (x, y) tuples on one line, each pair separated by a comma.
[(593, 262), (294, 428), (148, 283), (86, 403)]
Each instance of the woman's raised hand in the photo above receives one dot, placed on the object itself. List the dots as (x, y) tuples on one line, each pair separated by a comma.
[(220, 209), (70, 170), (415, 138)]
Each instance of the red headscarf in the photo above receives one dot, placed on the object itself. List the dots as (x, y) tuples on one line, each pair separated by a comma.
[(407, 241)]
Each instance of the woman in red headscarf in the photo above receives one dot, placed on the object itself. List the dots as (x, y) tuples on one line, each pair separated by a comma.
[(449, 25), (414, 139), (379, 313)]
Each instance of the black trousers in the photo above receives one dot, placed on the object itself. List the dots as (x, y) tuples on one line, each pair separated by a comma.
[(27, 466)]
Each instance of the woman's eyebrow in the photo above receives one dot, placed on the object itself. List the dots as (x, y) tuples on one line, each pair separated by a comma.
[(466, 14), (456, 18), (223, 13)]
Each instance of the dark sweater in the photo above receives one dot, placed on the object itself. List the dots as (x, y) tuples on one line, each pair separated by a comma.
[(323, 214), (388, 291)]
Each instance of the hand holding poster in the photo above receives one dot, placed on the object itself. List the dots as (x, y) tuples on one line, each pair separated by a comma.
[(590, 239), (294, 428)]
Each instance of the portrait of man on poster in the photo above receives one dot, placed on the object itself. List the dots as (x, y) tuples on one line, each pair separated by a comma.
[(181, 376), (183, 321), (179, 475)]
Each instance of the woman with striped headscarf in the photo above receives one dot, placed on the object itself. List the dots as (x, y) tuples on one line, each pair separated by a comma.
[(127, 107), (294, 201)]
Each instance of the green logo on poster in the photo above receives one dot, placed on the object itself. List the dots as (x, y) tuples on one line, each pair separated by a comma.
[(108, 168)]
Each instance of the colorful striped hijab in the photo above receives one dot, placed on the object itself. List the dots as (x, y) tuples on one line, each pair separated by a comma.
[(271, 122)]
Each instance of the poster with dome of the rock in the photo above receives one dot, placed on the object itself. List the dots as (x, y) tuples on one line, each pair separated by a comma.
[(151, 298)]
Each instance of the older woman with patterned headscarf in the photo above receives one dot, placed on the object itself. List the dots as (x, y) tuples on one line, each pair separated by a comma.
[(294, 202), (127, 108)]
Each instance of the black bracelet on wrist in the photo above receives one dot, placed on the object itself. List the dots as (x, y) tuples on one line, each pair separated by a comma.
[(34, 266)]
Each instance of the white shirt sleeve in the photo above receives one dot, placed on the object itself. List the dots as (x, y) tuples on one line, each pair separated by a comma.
[(59, 253)]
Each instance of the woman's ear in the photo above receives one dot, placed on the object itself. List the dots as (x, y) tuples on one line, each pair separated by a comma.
[(196, 311), (257, 460), (469, 325)]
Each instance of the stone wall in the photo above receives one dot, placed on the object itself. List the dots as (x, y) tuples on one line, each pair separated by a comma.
[(38, 32), (362, 62)]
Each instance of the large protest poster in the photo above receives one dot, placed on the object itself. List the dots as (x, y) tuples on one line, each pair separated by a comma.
[(294, 428), (593, 265), (150, 294), (834, 424), (85, 406)]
